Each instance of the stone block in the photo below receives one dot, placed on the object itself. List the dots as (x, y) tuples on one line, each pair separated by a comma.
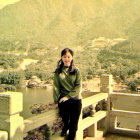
[(14, 126), (11, 103)]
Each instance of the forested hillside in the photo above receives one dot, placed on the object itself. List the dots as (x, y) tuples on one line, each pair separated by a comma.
[(40, 29), (69, 23)]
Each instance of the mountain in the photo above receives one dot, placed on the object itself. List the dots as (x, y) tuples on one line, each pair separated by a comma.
[(69, 23)]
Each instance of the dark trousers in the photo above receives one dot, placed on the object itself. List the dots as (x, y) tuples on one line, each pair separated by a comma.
[(70, 111)]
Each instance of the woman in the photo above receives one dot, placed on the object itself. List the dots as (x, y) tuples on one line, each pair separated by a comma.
[(67, 92)]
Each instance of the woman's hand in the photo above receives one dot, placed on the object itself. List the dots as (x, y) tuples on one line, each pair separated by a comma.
[(55, 106), (63, 99)]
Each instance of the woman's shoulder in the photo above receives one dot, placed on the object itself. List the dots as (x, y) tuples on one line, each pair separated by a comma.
[(57, 71), (77, 70)]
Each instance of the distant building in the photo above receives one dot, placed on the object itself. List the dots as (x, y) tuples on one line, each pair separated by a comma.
[(104, 42), (117, 41)]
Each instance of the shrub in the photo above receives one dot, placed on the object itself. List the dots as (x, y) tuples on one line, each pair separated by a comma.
[(10, 77), (132, 86), (5, 87)]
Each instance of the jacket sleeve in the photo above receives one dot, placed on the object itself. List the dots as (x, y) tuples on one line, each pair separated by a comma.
[(78, 86), (56, 88)]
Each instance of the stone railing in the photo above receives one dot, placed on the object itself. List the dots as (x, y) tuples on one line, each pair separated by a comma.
[(99, 118), (125, 114), (14, 127), (11, 104)]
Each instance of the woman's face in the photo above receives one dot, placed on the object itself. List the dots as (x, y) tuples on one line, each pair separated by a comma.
[(67, 58)]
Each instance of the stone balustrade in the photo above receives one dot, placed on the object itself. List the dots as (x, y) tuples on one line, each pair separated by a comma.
[(14, 127)]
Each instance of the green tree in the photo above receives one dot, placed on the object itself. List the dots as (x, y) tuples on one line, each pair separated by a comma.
[(10, 77)]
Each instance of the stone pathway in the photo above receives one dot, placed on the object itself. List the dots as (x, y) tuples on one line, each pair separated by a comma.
[(118, 137), (108, 137)]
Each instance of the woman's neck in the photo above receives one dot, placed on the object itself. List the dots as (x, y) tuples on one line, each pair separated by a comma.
[(66, 66)]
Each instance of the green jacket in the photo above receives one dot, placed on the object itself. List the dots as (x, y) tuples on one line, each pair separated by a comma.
[(69, 85)]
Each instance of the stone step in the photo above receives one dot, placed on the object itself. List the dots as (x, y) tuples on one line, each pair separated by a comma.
[(99, 136), (90, 138)]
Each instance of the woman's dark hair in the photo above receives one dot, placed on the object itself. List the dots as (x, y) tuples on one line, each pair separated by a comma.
[(60, 63)]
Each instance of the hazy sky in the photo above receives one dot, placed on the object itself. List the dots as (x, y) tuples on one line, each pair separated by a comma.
[(3, 3)]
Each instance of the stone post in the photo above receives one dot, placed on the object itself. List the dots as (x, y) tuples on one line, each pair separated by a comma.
[(112, 123), (11, 104), (106, 87), (3, 135), (106, 84), (92, 130)]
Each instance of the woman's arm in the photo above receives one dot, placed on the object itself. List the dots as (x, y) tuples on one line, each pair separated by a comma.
[(56, 88)]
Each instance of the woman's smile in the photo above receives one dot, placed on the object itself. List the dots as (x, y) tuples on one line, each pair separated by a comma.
[(67, 58)]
